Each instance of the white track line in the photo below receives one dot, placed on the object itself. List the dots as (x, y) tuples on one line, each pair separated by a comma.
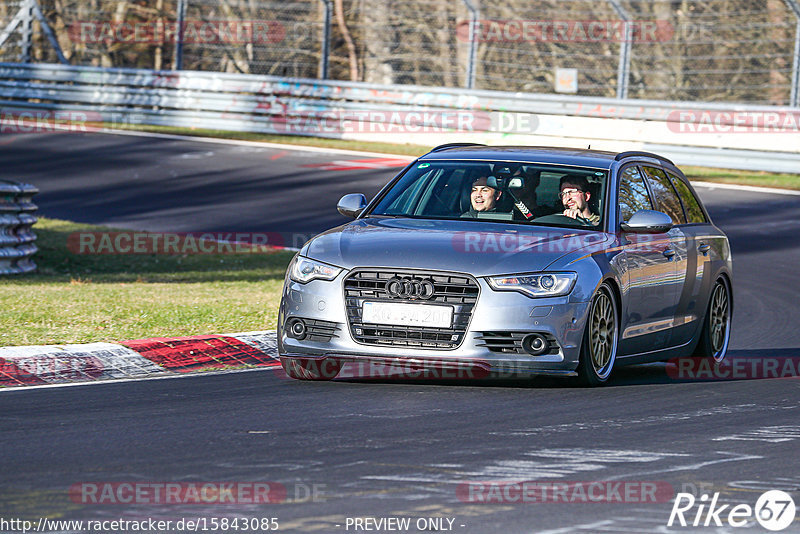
[(751, 188), (240, 142)]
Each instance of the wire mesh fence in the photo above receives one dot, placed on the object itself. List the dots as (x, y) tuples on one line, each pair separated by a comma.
[(10, 21), (691, 50), (261, 37), (520, 46), (719, 50), (411, 42), (109, 34)]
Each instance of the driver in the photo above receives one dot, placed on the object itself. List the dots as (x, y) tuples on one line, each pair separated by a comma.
[(482, 198), (574, 194)]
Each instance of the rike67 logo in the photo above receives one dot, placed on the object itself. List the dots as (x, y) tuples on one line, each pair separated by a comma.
[(774, 510)]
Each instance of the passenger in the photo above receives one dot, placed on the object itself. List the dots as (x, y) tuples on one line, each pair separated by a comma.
[(482, 198), (574, 194)]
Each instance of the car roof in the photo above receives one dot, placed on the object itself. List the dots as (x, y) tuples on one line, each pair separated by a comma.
[(600, 159), (540, 154)]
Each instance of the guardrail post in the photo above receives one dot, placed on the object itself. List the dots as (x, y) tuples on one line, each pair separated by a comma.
[(624, 67), (794, 98), (181, 22), (325, 52), (16, 236), (26, 31), (474, 28)]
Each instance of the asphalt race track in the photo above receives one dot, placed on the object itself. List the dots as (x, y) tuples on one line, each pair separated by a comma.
[(146, 183), (382, 449)]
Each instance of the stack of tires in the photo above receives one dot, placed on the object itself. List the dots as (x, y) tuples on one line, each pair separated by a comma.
[(16, 233)]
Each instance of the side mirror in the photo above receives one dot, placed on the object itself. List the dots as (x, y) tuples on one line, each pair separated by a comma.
[(352, 205), (648, 222)]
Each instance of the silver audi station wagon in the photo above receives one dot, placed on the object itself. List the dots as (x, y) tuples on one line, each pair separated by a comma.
[(513, 260)]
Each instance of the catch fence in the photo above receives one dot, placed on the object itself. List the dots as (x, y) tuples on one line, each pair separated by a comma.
[(744, 51)]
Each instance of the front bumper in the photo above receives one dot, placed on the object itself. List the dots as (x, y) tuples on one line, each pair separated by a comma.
[(323, 303)]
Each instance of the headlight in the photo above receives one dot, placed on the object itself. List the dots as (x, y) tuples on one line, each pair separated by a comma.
[(304, 270), (535, 285)]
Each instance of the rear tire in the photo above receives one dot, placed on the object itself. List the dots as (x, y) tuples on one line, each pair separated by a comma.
[(600, 339), (716, 331), (309, 369)]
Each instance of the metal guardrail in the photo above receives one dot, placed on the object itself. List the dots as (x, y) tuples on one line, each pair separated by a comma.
[(16, 235), (271, 95), (269, 104)]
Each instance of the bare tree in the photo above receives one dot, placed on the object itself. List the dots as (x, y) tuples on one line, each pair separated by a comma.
[(352, 56)]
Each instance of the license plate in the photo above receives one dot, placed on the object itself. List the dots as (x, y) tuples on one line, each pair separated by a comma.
[(400, 314)]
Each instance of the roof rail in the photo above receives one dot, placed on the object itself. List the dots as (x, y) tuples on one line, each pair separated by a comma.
[(635, 153), (454, 145)]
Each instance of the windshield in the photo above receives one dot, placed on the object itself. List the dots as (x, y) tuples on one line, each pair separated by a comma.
[(527, 193)]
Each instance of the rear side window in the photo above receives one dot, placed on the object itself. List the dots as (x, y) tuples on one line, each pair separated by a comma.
[(693, 210), (665, 195), (632, 193)]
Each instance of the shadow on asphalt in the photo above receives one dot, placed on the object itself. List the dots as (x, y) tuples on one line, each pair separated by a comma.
[(742, 364)]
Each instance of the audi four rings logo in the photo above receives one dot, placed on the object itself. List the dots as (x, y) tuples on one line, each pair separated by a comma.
[(409, 288)]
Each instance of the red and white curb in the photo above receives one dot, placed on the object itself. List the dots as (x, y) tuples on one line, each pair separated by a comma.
[(139, 358)]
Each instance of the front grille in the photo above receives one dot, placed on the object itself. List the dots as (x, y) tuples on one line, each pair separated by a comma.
[(511, 342), (459, 291)]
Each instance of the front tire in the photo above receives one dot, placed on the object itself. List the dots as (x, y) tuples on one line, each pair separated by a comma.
[(716, 331), (600, 339), (309, 369)]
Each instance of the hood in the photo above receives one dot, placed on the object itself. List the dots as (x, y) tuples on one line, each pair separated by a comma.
[(478, 248)]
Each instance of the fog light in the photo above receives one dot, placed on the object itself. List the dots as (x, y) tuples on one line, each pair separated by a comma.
[(297, 329), (535, 344)]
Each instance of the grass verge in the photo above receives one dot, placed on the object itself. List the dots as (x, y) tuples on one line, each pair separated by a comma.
[(77, 298)]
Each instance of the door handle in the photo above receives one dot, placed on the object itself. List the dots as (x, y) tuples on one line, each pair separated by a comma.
[(704, 248), (668, 253)]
